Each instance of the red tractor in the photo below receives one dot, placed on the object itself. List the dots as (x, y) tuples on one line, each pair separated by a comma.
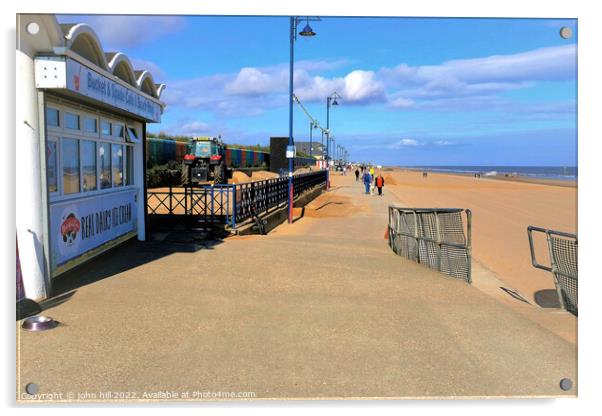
[(205, 161)]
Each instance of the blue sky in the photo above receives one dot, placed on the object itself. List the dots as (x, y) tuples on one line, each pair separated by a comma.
[(415, 91)]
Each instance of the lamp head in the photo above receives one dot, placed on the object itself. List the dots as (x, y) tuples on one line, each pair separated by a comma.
[(307, 31)]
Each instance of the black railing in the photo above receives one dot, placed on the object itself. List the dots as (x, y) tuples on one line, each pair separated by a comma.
[(226, 204), (189, 205), (305, 181), (258, 198)]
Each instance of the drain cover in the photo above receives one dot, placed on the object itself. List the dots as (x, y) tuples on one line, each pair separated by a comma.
[(39, 323)]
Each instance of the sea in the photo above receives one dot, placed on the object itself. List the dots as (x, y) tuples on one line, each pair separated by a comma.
[(568, 173)]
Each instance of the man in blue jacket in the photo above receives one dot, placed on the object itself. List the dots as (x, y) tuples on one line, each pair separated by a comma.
[(367, 180)]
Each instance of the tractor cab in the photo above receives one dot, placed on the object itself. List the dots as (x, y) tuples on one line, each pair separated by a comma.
[(202, 148)]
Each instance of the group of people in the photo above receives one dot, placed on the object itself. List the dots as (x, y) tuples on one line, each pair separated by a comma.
[(370, 180)]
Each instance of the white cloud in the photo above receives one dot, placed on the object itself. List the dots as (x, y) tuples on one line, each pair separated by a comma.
[(404, 143), (362, 86), (470, 84), (316, 88), (254, 81), (401, 102), (444, 143), (482, 76), (194, 128), (550, 64), (356, 87)]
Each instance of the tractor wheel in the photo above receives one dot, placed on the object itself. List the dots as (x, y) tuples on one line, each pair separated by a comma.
[(218, 173)]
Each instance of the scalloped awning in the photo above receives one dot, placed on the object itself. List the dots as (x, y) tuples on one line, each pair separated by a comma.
[(83, 41)]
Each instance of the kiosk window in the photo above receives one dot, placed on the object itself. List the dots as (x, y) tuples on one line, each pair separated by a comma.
[(117, 165), (52, 117), (70, 156), (88, 153), (104, 160), (51, 166), (132, 135), (118, 130), (105, 128), (71, 121), (90, 125)]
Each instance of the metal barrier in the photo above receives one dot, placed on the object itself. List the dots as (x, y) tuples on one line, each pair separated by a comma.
[(433, 237), (225, 204), (191, 206), (260, 197), (562, 248)]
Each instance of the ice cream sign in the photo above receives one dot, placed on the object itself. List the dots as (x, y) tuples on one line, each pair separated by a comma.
[(66, 73), (82, 225)]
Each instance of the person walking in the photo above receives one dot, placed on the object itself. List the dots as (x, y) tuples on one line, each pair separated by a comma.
[(357, 174), (367, 181), (379, 182)]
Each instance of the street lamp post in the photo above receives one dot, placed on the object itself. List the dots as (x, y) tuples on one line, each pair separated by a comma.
[(307, 31), (330, 100), (322, 148), (312, 126)]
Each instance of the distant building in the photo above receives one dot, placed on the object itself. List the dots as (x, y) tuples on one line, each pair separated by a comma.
[(279, 163), (304, 147)]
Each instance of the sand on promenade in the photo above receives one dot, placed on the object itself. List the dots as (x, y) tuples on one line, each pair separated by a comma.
[(501, 212)]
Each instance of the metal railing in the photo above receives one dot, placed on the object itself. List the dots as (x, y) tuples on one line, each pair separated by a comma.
[(434, 237), (256, 198), (226, 204), (563, 250), (188, 205)]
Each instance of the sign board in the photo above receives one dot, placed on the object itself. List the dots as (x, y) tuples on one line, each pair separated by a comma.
[(291, 152), (77, 226), (66, 73)]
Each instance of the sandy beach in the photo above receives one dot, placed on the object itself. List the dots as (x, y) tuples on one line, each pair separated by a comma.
[(501, 210)]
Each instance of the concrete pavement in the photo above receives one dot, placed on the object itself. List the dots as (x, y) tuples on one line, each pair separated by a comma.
[(321, 308)]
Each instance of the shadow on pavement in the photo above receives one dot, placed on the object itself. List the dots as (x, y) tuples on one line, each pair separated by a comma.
[(547, 298), (514, 294), (326, 204), (26, 308), (127, 256)]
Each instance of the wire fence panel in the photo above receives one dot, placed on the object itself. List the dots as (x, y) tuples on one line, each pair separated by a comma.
[(563, 249), (433, 237), (564, 253)]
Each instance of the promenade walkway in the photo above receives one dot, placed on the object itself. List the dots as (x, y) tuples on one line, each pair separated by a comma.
[(320, 308)]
